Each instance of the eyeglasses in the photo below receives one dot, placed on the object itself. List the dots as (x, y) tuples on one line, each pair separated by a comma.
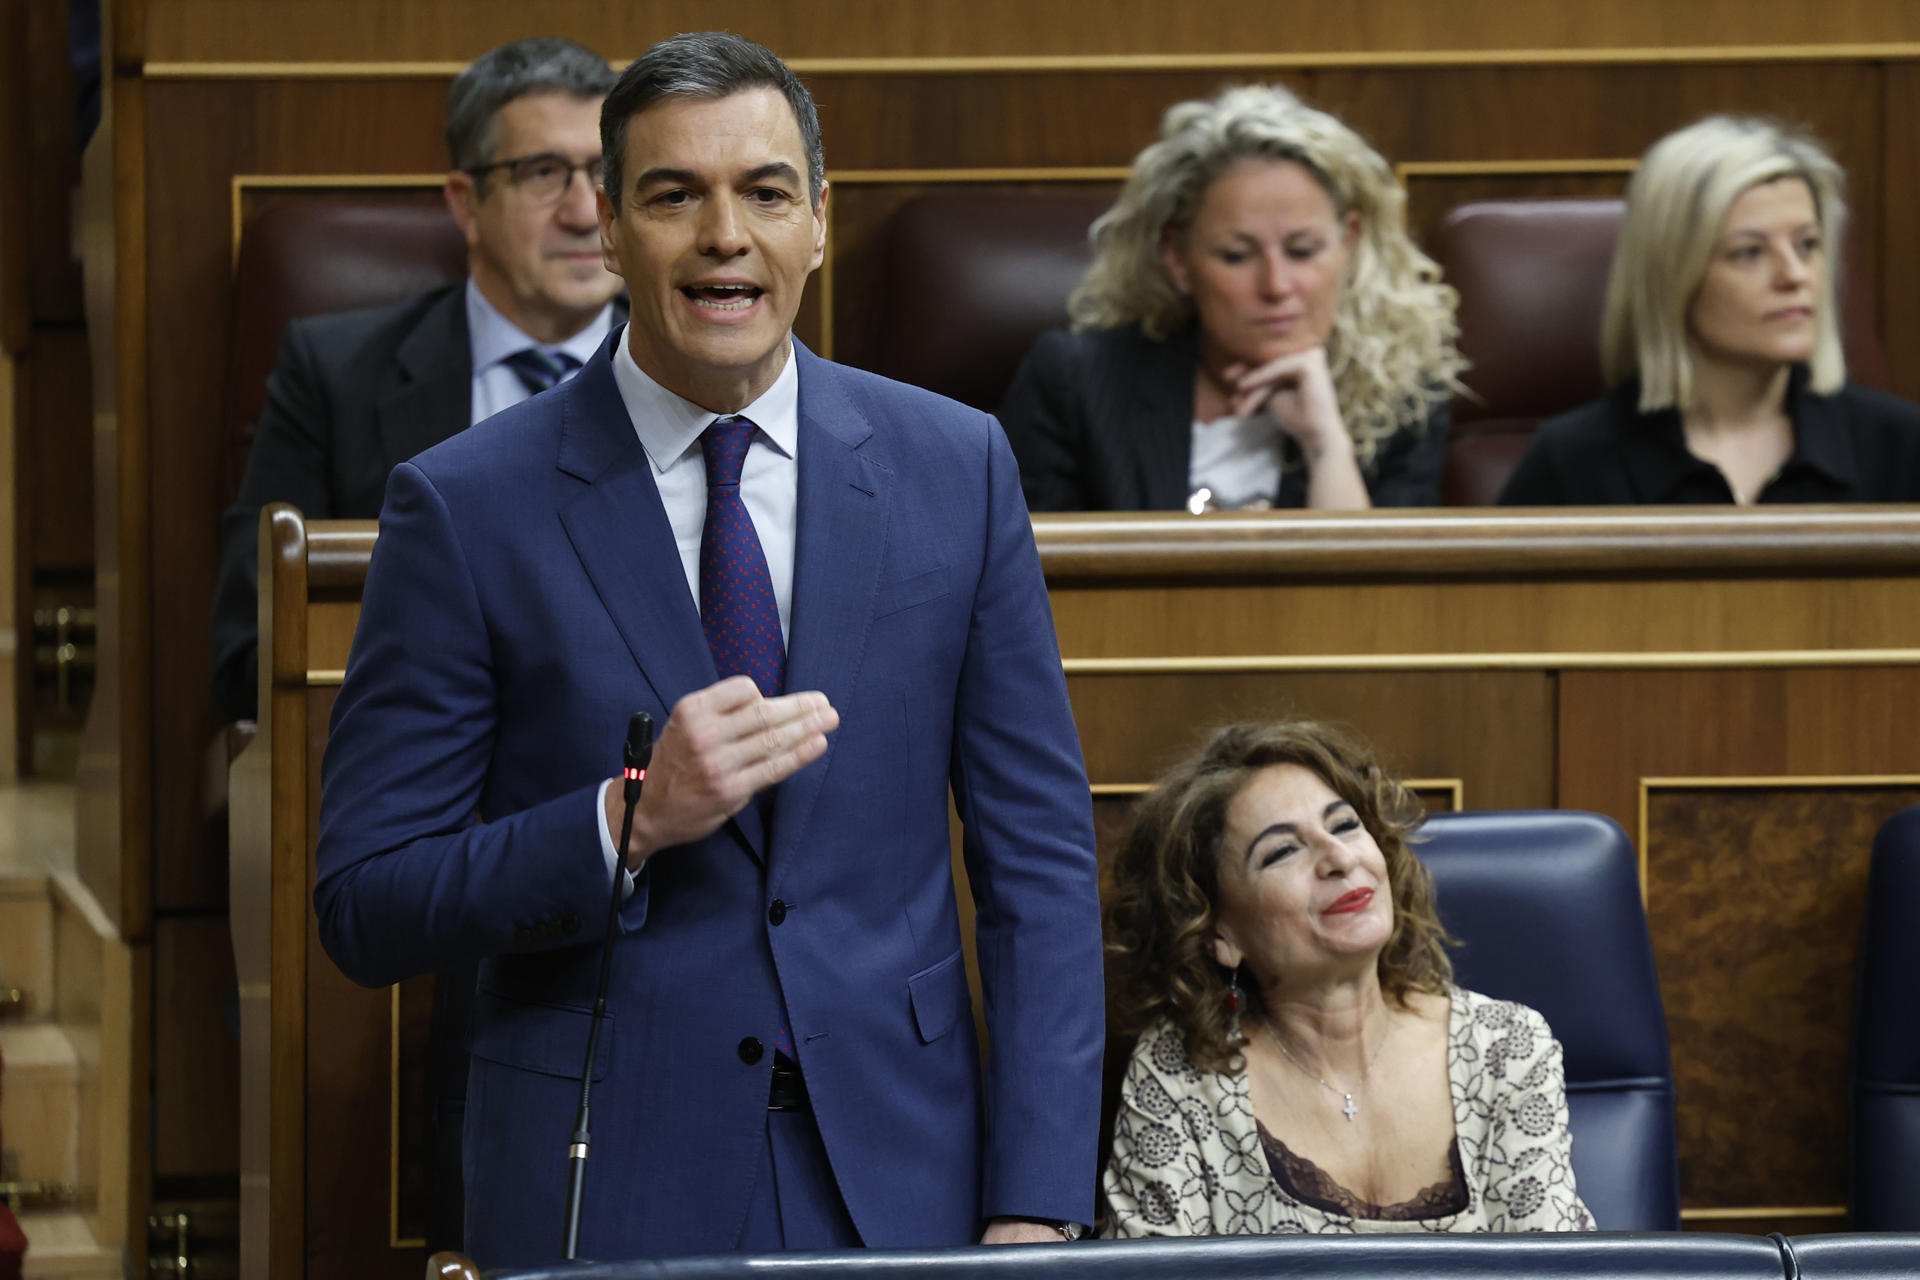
[(542, 178)]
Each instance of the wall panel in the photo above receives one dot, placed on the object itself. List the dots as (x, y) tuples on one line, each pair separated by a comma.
[(309, 30)]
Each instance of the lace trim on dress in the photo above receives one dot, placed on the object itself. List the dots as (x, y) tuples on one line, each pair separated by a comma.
[(1308, 1183)]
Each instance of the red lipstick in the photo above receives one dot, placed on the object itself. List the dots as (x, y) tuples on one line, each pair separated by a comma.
[(1348, 903)]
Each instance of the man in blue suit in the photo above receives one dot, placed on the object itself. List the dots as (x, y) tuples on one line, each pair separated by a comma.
[(825, 584)]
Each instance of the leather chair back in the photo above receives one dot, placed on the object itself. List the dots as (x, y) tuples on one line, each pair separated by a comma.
[(1881, 1256), (1542, 1256), (314, 255), (1547, 908), (1886, 1037), (1532, 276), (973, 278)]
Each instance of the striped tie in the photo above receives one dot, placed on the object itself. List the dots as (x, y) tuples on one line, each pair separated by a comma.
[(539, 370)]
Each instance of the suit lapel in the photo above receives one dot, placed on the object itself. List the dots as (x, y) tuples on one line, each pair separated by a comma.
[(844, 507), (619, 529), (432, 397)]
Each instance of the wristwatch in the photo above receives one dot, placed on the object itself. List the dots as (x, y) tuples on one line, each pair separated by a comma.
[(1069, 1231)]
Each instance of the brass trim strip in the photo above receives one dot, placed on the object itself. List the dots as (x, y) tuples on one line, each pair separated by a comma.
[(1260, 662), (1026, 64), (1743, 1212), (1001, 173), (241, 183), (1783, 782), (393, 1119), (1272, 662), (1454, 787), (1506, 168)]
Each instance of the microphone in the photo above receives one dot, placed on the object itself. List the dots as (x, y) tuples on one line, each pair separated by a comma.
[(635, 755)]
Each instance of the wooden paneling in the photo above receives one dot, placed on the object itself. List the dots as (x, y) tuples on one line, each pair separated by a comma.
[(302, 30), (56, 455), (196, 1056), (1754, 899), (1490, 730)]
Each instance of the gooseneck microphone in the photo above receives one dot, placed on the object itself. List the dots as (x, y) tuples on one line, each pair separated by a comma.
[(634, 757)]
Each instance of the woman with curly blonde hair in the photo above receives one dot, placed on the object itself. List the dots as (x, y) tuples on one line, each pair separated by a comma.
[(1256, 329), (1304, 1061)]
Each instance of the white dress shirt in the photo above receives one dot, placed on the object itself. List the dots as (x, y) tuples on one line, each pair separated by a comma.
[(669, 429), (491, 338)]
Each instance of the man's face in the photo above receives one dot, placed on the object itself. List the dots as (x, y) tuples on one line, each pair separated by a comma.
[(715, 237), (534, 254)]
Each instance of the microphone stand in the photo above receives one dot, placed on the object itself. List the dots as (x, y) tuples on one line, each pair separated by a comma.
[(637, 752)]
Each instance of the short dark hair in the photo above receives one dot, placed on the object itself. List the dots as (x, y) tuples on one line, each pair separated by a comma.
[(1165, 888), (704, 64), (538, 64)]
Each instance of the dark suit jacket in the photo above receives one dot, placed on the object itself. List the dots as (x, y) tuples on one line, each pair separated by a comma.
[(351, 396), (502, 647), (1856, 445), (1103, 421)]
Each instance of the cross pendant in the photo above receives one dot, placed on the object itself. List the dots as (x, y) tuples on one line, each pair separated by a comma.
[(1350, 1110)]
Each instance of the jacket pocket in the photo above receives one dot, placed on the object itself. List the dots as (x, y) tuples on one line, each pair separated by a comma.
[(940, 997), (550, 1039), (908, 592)]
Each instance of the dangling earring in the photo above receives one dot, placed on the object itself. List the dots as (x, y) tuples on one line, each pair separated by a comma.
[(1235, 1001)]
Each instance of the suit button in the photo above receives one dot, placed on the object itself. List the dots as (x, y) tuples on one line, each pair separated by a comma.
[(777, 912), (523, 936), (570, 925), (750, 1051)]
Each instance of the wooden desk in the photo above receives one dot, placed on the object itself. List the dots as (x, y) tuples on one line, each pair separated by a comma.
[(1736, 689)]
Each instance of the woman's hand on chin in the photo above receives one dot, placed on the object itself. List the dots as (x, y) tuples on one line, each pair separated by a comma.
[(1297, 391)]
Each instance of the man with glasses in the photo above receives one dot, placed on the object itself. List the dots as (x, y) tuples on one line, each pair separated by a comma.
[(355, 394)]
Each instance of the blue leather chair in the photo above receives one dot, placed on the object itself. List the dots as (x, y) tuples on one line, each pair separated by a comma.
[(1888, 1255), (1886, 1037), (1539, 1257), (1547, 908)]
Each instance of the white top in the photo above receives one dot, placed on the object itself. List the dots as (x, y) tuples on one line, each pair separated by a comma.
[(1237, 460), (491, 338), (669, 428), (1188, 1160)]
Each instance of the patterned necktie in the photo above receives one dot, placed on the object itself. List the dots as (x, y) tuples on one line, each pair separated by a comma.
[(737, 608), (539, 370)]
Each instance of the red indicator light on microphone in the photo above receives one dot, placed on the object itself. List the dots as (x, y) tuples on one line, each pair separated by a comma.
[(634, 775)]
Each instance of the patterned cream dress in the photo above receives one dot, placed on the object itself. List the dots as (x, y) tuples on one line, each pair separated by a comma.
[(1188, 1158)]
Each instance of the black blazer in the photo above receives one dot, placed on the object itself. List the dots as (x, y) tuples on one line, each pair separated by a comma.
[(351, 396), (1103, 421), (1856, 445)]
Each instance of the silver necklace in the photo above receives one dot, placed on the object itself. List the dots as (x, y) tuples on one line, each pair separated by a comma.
[(1349, 1110)]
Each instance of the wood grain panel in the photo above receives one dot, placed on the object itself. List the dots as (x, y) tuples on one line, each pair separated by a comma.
[(1754, 900), (1491, 730), (196, 1053), (303, 30), (1900, 252), (57, 454), (1617, 727), (1487, 619)]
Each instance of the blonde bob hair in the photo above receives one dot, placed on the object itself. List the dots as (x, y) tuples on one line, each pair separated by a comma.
[(1392, 351), (1677, 204)]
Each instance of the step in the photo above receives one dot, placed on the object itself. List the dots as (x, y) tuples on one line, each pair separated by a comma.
[(26, 944), (42, 1110), (60, 1244)]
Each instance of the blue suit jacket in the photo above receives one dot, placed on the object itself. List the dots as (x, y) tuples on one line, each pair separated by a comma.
[(524, 598)]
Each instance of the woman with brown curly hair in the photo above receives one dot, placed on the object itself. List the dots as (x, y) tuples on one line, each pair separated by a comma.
[(1304, 1061)]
